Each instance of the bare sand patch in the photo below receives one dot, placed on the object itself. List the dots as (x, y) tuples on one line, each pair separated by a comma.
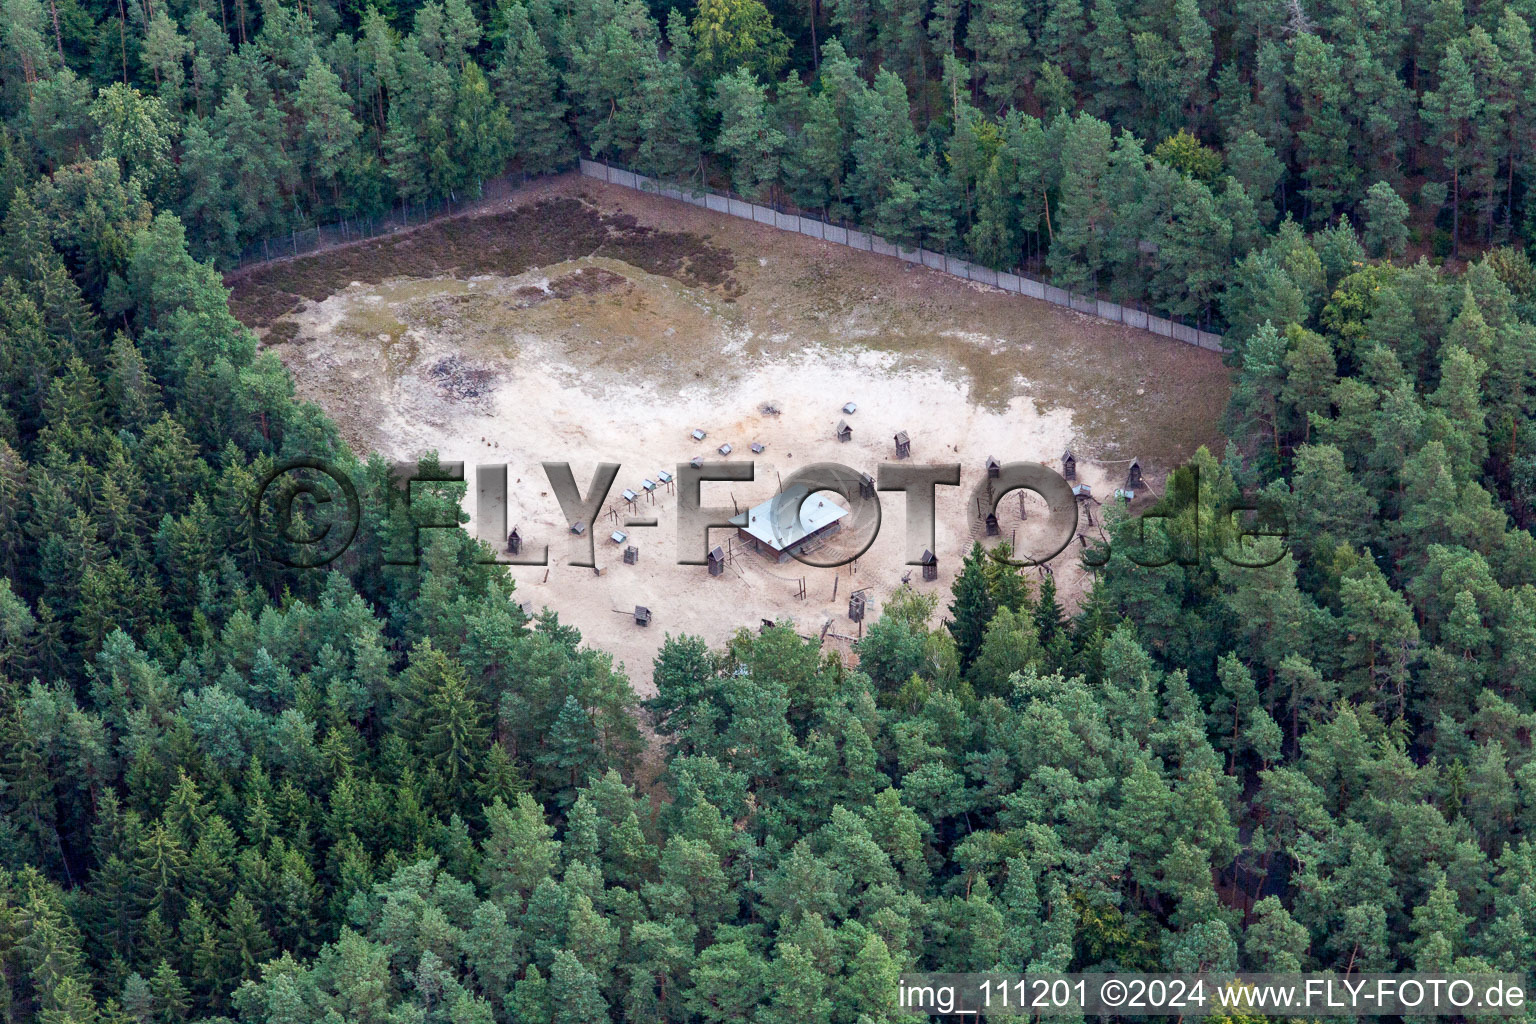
[(616, 354)]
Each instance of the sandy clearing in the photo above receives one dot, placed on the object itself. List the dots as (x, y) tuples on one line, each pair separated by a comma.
[(594, 359)]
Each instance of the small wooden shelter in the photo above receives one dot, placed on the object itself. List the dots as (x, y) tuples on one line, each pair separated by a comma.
[(903, 444), (1133, 481), (866, 486), (1068, 465), (514, 541), (725, 449), (844, 431), (993, 529), (850, 408), (716, 561), (642, 615), (993, 468), (930, 565), (698, 435), (631, 555), (856, 606)]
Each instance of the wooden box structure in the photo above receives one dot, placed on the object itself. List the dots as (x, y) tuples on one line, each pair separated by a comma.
[(716, 561), (856, 606), (1133, 481), (514, 542), (1068, 465), (930, 565), (844, 431), (993, 468), (866, 486), (903, 445), (642, 615), (993, 529), (631, 555)]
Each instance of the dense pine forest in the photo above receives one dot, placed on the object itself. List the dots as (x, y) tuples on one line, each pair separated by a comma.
[(231, 791), (1134, 148)]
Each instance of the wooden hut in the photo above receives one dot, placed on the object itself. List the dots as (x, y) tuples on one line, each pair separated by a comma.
[(629, 496), (787, 522), (631, 555), (994, 468), (664, 477), (903, 445), (514, 541), (647, 484), (642, 615), (618, 536), (930, 565), (1068, 465), (993, 529), (844, 431), (856, 606), (716, 561), (866, 486), (1133, 481)]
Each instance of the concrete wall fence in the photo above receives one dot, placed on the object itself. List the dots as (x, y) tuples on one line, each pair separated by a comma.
[(855, 239)]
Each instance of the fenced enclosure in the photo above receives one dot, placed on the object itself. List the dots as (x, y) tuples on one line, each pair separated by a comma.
[(407, 215), (853, 238)]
